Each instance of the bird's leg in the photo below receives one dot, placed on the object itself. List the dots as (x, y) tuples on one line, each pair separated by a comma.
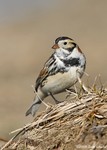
[(56, 101)]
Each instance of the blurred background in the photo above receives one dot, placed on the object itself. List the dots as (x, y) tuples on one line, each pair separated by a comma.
[(27, 32)]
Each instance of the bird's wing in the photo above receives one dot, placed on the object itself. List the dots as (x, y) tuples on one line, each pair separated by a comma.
[(43, 74), (50, 68)]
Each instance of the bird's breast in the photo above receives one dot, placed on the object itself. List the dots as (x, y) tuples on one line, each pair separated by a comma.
[(61, 81)]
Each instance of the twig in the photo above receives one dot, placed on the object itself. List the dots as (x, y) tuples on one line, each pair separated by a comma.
[(42, 101)]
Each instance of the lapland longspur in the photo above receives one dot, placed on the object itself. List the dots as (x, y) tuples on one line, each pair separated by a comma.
[(60, 72)]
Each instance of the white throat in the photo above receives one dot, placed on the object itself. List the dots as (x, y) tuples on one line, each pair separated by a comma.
[(62, 53)]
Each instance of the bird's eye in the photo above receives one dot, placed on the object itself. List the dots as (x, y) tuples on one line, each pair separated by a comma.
[(65, 43)]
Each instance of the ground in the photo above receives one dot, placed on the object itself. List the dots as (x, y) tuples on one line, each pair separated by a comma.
[(70, 125)]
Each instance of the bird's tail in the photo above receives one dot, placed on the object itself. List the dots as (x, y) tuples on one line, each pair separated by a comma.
[(33, 109), (36, 103)]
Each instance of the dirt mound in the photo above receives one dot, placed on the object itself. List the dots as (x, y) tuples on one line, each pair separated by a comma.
[(79, 123)]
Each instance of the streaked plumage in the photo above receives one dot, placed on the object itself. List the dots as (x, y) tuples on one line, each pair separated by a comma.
[(60, 72)]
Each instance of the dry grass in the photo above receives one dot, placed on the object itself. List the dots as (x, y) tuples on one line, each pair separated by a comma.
[(26, 45), (80, 122)]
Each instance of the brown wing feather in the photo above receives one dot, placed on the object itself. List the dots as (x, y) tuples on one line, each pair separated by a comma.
[(43, 74), (50, 68)]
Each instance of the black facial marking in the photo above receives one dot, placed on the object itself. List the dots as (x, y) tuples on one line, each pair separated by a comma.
[(71, 62), (61, 38), (71, 48)]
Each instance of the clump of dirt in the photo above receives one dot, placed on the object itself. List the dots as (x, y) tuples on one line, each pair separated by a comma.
[(79, 123)]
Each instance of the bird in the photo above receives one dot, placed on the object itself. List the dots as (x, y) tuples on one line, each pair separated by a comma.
[(60, 72)]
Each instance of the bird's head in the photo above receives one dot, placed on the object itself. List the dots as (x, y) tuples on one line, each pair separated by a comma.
[(65, 43)]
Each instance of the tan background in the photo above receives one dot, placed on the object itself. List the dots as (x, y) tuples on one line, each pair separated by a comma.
[(27, 32)]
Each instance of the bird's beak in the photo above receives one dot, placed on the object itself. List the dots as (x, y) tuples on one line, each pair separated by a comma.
[(55, 46)]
